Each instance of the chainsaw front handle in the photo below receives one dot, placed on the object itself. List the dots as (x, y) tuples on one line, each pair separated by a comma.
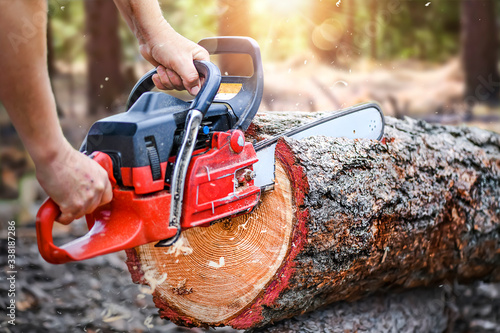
[(207, 92), (142, 86), (205, 97), (248, 99)]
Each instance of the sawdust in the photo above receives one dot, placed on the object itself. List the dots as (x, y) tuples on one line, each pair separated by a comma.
[(151, 280), (244, 225), (148, 322), (114, 312), (217, 265), (180, 247), (181, 289)]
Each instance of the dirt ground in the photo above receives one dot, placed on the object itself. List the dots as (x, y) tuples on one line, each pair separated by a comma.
[(94, 296), (98, 295)]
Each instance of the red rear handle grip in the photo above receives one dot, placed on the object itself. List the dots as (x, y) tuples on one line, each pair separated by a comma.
[(50, 211), (47, 214), (126, 222)]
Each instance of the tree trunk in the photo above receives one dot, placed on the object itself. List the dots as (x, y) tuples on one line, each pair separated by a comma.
[(235, 20), (480, 51), (103, 48), (373, 28), (51, 64), (346, 218), (351, 27)]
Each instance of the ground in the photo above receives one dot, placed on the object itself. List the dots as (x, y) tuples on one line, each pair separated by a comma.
[(91, 296), (98, 295)]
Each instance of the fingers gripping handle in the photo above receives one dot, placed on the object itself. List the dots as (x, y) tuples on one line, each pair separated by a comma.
[(205, 68), (209, 89), (47, 215)]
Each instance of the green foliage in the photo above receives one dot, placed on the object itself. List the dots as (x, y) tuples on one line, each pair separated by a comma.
[(194, 19), (427, 30), (67, 22)]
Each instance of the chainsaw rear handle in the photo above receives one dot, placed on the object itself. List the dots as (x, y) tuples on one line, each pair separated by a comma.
[(201, 101), (48, 214)]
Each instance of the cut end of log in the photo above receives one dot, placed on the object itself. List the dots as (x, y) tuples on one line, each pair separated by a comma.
[(211, 274)]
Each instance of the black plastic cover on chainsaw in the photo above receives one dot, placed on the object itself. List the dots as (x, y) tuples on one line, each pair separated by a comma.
[(155, 119)]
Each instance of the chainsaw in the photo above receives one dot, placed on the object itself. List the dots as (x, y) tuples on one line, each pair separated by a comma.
[(175, 165)]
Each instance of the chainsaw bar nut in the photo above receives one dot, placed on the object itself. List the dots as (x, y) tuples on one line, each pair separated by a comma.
[(243, 176), (237, 141)]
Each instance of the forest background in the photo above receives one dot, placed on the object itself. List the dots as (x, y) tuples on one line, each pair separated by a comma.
[(432, 60)]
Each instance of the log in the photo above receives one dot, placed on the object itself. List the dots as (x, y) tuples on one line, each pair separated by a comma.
[(346, 218)]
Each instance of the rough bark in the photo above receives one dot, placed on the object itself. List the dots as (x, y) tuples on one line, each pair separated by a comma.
[(416, 209)]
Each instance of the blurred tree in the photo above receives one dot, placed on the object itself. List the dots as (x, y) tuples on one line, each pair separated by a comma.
[(373, 29), (104, 77), (65, 39), (51, 63), (339, 33), (50, 48), (351, 25), (234, 20), (480, 51), (426, 30)]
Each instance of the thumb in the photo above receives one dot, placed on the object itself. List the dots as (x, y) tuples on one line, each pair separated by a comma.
[(189, 76)]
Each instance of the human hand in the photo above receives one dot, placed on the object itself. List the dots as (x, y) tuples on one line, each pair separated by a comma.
[(75, 182), (173, 55)]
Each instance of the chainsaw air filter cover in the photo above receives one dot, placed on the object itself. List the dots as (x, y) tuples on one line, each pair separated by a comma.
[(151, 123)]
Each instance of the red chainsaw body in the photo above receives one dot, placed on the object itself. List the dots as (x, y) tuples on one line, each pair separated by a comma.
[(217, 186), (141, 179), (214, 190), (157, 138)]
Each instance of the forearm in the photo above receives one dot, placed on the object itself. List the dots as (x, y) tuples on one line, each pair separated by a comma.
[(25, 89), (162, 46), (144, 17)]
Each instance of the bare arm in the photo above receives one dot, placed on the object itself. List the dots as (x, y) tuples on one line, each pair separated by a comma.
[(162, 46), (75, 182)]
